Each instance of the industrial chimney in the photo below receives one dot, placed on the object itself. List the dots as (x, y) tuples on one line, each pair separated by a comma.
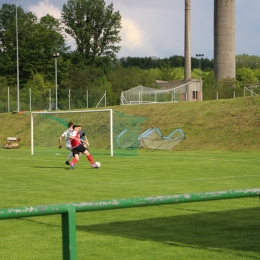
[(187, 65), (224, 39)]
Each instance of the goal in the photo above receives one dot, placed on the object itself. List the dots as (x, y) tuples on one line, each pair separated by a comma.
[(146, 95), (47, 127), (101, 126)]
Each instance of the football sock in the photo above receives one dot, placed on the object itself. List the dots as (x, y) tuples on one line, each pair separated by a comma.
[(69, 156), (90, 159), (74, 161)]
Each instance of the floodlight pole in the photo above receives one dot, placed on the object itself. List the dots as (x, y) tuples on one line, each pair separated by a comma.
[(55, 56), (17, 60)]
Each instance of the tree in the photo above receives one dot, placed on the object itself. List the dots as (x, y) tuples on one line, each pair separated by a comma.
[(247, 61), (8, 38), (246, 76), (95, 28), (38, 40), (39, 91), (176, 61)]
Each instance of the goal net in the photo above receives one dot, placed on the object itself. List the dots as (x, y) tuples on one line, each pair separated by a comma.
[(101, 127), (152, 138), (146, 95)]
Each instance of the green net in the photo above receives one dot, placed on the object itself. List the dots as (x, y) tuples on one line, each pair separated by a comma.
[(61, 121), (126, 132)]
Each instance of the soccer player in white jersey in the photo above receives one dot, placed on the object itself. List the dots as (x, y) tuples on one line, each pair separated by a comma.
[(66, 135)]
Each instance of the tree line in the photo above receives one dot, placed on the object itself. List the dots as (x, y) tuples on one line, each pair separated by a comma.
[(93, 65)]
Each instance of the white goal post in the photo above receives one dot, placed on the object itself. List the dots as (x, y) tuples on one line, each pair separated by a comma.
[(78, 111)]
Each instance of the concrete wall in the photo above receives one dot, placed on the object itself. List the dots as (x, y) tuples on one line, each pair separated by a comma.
[(188, 93)]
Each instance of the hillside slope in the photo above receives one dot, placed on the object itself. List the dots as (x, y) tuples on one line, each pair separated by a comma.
[(220, 125)]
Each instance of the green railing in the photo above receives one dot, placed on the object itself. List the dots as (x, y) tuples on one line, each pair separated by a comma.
[(68, 211)]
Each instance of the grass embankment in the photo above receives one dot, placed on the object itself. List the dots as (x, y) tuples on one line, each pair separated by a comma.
[(220, 125)]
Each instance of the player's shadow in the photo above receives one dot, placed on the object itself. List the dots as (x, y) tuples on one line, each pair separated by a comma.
[(235, 230)]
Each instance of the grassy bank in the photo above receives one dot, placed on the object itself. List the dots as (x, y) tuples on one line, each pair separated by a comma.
[(220, 125)]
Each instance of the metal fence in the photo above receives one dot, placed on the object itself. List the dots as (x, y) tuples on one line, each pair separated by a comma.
[(30, 100), (46, 100), (68, 211)]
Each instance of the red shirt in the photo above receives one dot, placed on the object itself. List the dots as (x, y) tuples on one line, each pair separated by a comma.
[(75, 142)]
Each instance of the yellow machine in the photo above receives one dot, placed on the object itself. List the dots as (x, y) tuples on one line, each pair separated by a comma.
[(12, 143)]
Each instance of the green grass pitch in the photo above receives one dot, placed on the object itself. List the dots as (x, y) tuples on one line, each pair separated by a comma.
[(223, 229)]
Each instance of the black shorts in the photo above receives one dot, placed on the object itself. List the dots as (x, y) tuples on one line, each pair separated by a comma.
[(78, 149), (84, 145)]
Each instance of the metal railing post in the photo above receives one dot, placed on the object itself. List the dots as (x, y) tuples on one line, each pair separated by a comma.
[(69, 245)]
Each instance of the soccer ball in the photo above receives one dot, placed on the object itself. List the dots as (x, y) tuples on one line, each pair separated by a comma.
[(98, 164)]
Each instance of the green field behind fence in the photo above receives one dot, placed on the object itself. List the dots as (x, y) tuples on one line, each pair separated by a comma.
[(227, 229)]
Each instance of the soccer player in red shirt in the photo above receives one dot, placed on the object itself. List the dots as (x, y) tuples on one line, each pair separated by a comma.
[(78, 147)]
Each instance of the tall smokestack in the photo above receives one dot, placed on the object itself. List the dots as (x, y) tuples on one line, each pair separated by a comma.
[(187, 66), (224, 39)]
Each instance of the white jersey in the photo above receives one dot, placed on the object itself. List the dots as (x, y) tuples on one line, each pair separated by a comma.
[(66, 135)]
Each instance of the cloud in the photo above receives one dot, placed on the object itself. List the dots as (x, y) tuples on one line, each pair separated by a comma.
[(156, 27), (132, 35), (43, 8), (135, 42)]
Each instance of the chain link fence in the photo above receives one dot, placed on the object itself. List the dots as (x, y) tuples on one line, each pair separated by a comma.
[(80, 99), (66, 100)]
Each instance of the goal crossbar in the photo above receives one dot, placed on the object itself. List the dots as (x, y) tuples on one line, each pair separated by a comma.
[(77, 111)]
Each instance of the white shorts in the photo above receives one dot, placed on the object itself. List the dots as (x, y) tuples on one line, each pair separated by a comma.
[(68, 147)]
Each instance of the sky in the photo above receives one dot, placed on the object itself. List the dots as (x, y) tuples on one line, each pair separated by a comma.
[(156, 27)]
